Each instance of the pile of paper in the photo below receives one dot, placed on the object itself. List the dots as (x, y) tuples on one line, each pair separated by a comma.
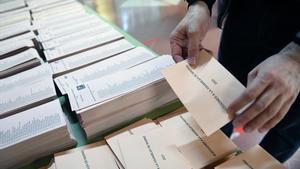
[(18, 45), (176, 142), (32, 134), (96, 155), (65, 29), (255, 157), (112, 99), (26, 90)]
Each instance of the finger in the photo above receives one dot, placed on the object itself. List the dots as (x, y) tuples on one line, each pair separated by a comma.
[(265, 116), (259, 105), (254, 89), (251, 76), (278, 117), (193, 48), (177, 58), (176, 49)]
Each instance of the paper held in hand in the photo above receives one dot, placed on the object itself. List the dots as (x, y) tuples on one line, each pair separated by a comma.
[(205, 90)]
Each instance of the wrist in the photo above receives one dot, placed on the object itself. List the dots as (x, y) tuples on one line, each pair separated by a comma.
[(292, 50)]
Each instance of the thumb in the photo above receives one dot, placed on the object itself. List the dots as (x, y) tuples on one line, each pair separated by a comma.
[(193, 49)]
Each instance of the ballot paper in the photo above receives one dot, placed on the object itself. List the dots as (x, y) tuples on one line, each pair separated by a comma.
[(28, 95), (48, 22), (205, 91), (208, 150), (117, 63), (11, 41), (93, 156), (15, 18), (31, 134), (18, 59), (56, 7), (11, 4), (82, 44), (152, 150), (41, 5), (100, 31), (137, 128), (61, 5), (48, 34), (255, 157), (9, 47), (107, 87), (82, 59), (61, 25), (13, 12), (186, 128), (26, 78), (32, 122), (14, 29)]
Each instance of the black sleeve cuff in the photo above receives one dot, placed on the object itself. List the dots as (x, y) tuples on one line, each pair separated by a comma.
[(209, 3), (297, 38)]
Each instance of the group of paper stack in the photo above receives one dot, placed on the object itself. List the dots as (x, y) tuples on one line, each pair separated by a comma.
[(174, 141), (32, 123), (108, 80), (180, 140)]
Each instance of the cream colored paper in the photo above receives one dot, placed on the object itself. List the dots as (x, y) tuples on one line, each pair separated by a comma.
[(207, 150), (205, 91), (152, 150), (256, 158)]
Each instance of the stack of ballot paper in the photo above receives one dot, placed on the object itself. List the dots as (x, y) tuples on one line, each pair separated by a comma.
[(255, 157), (112, 99), (20, 62), (26, 90), (93, 156), (9, 5), (32, 134), (65, 29)]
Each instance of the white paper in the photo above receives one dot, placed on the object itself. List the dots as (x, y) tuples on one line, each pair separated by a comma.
[(13, 12), (48, 34), (90, 56), (30, 123), (17, 59), (14, 29), (9, 47), (12, 4), (26, 78), (15, 18), (119, 83), (13, 99), (100, 31), (26, 36), (120, 62)]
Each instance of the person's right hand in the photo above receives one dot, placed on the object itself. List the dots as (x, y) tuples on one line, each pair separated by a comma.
[(185, 40)]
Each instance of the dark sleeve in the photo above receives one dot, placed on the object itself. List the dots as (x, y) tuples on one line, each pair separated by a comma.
[(209, 3), (297, 38)]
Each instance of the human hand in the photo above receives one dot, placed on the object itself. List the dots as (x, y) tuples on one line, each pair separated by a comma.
[(272, 88), (185, 40)]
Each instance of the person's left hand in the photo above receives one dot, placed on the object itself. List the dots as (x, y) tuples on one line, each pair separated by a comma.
[(272, 88)]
